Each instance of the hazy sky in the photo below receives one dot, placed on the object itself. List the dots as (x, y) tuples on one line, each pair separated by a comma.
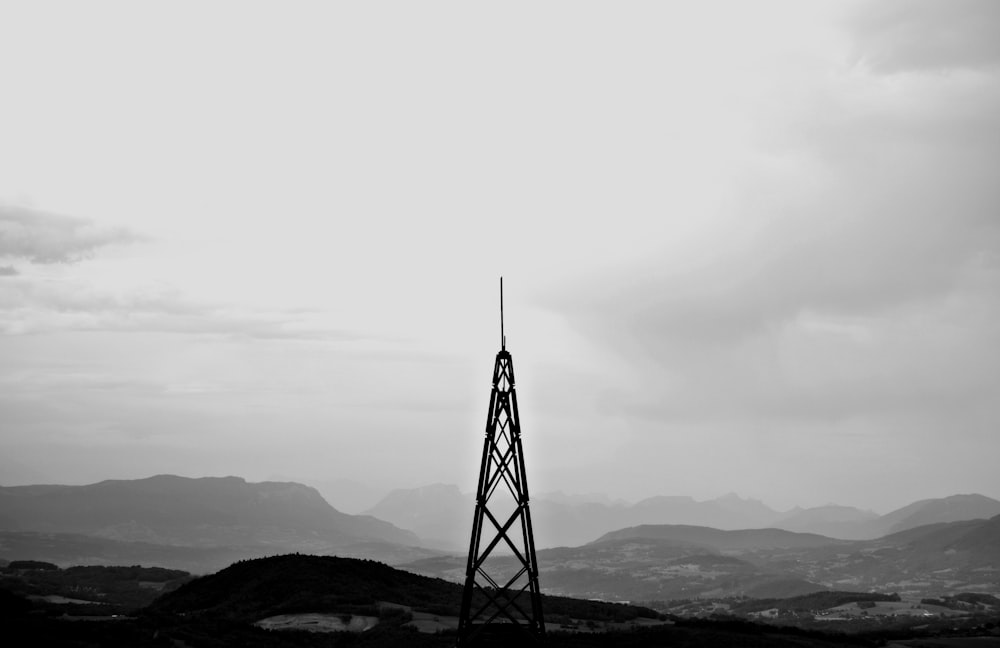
[(747, 246)]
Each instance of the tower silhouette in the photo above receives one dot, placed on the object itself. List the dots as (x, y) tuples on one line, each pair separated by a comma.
[(501, 596)]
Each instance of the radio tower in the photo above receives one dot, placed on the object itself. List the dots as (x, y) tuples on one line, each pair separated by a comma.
[(501, 602)]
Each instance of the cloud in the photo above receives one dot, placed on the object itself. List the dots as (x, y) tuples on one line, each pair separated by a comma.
[(61, 302), (856, 270), (920, 35), (29, 307), (41, 237)]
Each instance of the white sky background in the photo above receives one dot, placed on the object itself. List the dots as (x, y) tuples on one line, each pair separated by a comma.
[(749, 247)]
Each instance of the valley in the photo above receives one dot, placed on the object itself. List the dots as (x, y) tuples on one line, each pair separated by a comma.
[(205, 526)]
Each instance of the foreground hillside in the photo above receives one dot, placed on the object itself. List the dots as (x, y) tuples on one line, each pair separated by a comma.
[(255, 589), (370, 604)]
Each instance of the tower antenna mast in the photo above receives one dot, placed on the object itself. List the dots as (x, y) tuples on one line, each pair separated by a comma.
[(502, 605)]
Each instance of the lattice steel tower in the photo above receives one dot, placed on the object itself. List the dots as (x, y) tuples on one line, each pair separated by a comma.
[(501, 603)]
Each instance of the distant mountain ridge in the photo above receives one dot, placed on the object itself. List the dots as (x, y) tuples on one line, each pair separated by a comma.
[(831, 520), (564, 520), (433, 512), (205, 524), (441, 514), (167, 510)]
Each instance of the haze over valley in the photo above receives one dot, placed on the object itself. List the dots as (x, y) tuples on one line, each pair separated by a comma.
[(660, 548)]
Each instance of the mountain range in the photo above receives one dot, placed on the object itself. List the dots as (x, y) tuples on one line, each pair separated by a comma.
[(189, 523), (659, 547), (441, 515)]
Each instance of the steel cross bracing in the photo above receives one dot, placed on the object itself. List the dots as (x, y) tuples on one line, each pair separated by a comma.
[(501, 596)]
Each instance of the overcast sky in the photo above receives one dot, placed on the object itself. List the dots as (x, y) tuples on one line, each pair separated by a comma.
[(746, 246)]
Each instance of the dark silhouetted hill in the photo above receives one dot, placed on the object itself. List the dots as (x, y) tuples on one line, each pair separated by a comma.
[(220, 609), (255, 589)]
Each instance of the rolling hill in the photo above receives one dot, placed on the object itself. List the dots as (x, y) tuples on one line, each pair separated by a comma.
[(661, 562), (931, 511), (681, 561), (230, 601), (721, 540), (242, 603), (254, 589)]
